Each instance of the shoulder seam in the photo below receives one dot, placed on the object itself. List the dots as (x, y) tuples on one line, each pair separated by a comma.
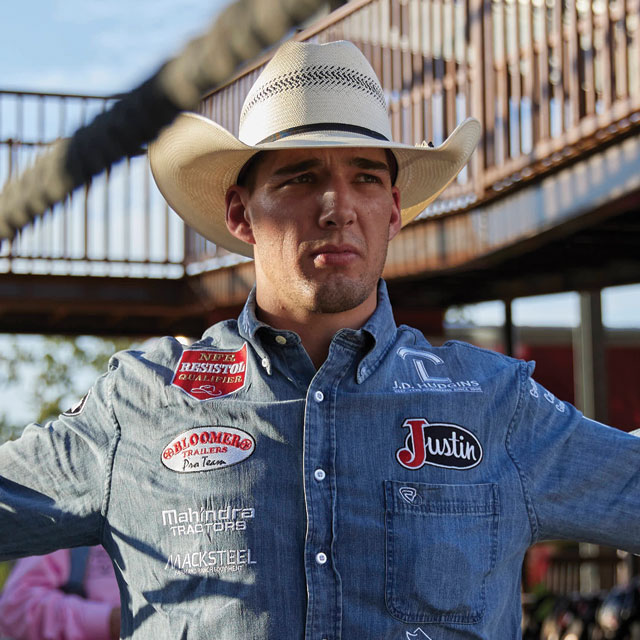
[(494, 354), (110, 461), (523, 372)]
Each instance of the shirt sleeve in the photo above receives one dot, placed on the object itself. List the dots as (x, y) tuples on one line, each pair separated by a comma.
[(581, 479), (33, 606), (55, 479)]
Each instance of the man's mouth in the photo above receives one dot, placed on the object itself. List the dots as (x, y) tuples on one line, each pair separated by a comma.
[(334, 255)]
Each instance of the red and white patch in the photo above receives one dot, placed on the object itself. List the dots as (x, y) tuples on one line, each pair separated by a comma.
[(207, 449), (205, 373), (439, 444)]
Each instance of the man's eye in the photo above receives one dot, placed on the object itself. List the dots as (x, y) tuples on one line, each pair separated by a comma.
[(369, 177), (302, 178)]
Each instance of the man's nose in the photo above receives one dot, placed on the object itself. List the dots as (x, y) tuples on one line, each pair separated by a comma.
[(338, 206)]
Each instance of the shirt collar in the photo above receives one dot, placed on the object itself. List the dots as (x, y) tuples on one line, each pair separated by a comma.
[(248, 326), (380, 326), (248, 323)]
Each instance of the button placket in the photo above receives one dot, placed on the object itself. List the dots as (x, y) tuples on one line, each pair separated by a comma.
[(324, 584), (322, 579)]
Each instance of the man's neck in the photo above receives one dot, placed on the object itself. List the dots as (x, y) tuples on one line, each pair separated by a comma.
[(316, 330)]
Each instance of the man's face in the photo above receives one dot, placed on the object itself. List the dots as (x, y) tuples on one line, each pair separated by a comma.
[(320, 220)]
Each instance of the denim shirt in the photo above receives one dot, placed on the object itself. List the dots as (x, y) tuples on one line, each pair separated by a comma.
[(391, 494)]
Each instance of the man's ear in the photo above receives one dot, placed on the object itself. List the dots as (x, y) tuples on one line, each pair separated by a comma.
[(395, 221), (237, 217)]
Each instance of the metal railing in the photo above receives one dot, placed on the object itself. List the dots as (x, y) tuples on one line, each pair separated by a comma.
[(548, 79), (117, 225)]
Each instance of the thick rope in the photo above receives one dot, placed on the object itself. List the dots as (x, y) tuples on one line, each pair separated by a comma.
[(239, 34)]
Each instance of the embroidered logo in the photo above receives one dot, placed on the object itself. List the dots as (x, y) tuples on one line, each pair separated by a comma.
[(409, 495), (548, 396), (205, 373), (207, 449), (438, 444), (418, 634), (210, 561), (206, 521), (425, 362)]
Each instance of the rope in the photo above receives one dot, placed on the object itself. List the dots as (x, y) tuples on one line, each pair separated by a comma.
[(239, 34)]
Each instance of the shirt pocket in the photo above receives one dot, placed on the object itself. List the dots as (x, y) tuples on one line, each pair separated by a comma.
[(441, 545)]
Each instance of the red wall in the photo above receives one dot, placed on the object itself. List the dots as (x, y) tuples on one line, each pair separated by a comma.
[(554, 370)]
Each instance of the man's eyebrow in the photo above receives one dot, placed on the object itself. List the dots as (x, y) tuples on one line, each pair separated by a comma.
[(313, 163), (371, 165), (297, 167)]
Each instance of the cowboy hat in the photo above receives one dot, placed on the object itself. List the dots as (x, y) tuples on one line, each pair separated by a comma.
[(308, 95)]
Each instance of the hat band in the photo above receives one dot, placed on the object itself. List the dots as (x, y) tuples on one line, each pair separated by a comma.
[(324, 126)]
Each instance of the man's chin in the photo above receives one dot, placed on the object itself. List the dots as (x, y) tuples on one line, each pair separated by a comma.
[(340, 297)]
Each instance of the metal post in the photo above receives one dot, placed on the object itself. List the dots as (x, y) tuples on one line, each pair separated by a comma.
[(590, 374), (590, 379), (508, 328)]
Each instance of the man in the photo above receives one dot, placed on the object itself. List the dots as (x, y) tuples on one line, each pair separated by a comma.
[(311, 470)]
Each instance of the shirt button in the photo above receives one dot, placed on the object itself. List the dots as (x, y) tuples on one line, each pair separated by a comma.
[(321, 558), (319, 396), (265, 362), (319, 475), (281, 340)]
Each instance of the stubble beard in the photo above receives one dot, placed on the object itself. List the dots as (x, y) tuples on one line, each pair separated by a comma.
[(340, 293), (336, 293), (336, 296)]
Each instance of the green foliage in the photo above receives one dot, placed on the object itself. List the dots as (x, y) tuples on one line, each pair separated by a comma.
[(50, 373), (5, 570)]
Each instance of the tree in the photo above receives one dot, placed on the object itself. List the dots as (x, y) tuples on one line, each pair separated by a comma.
[(48, 374)]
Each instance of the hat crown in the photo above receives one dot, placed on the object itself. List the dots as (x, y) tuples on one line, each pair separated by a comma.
[(307, 86)]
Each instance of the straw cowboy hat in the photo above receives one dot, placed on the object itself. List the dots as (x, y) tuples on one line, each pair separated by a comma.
[(308, 95)]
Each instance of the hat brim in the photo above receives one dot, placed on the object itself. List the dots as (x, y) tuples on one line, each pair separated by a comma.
[(194, 162)]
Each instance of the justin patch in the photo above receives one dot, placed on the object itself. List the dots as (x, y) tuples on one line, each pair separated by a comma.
[(205, 373), (438, 444), (207, 449)]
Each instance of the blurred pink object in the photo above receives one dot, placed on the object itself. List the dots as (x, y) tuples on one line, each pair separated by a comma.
[(33, 605)]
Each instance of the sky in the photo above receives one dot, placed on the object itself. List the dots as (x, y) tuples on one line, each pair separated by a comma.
[(110, 46), (94, 46)]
